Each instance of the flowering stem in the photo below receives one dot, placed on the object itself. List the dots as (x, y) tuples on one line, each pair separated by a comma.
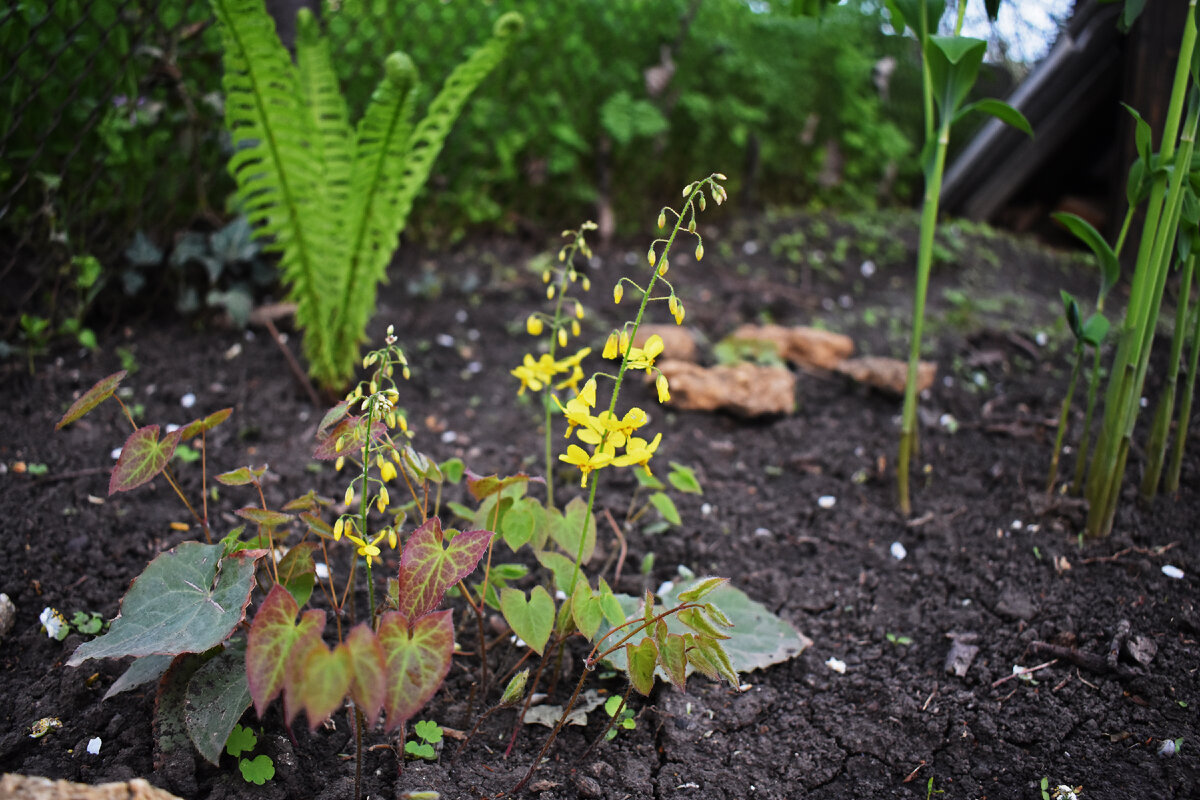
[(363, 505)]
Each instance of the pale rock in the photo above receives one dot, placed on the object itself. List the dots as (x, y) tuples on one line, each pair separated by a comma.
[(802, 346), (8, 615), (678, 343), (887, 374), (747, 390), (35, 788)]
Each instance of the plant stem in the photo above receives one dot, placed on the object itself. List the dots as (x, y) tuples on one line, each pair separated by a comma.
[(1185, 408), (929, 212), (364, 507), (1063, 417), (1085, 436), (1161, 429)]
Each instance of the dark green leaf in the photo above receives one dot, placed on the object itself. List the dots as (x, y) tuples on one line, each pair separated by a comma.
[(1110, 267), (101, 391), (1001, 111)]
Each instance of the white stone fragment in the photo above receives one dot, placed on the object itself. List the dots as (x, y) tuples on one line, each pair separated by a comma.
[(93, 745), (188, 400), (898, 551), (837, 665), (826, 501), (1172, 571)]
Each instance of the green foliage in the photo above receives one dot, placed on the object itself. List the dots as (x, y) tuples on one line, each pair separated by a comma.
[(331, 200), (622, 716), (430, 734)]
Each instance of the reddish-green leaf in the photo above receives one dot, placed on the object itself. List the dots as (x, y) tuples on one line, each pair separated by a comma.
[(640, 663), (427, 569), (309, 501), (699, 659), (351, 435), (481, 486), (272, 636), (332, 417), (264, 516), (325, 681), (240, 476), (367, 684), (531, 620), (719, 658), (198, 426), (586, 609), (700, 623), (91, 398), (142, 457), (674, 659), (702, 587), (318, 526), (415, 661)]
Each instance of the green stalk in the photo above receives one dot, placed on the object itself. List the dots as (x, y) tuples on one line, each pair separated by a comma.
[(1063, 416), (1085, 437), (1121, 397), (1157, 449), (929, 212), (364, 508), (564, 282), (1185, 408)]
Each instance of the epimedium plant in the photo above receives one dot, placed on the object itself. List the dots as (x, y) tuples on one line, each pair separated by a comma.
[(330, 198)]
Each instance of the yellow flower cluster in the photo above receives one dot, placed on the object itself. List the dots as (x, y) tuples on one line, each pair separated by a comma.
[(642, 358), (537, 374), (606, 433)]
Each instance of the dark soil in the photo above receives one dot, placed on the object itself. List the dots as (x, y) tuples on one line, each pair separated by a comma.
[(989, 558)]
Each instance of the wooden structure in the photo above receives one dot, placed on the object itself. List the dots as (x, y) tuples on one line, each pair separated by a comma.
[(1083, 144)]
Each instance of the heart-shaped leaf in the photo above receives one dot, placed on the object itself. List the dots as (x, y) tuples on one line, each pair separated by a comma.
[(273, 634), (368, 685), (574, 523), (586, 609), (264, 516), (298, 571), (415, 661), (427, 569), (325, 681), (242, 476), (641, 661), (142, 457), (93, 397), (187, 600), (198, 426), (217, 696), (673, 656), (481, 486), (351, 436), (530, 620), (520, 521)]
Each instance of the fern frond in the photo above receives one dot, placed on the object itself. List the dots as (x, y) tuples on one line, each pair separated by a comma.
[(333, 143), (381, 145), (431, 132), (279, 181)]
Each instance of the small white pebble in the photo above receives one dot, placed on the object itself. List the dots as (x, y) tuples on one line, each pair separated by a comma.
[(837, 665), (52, 621), (188, 400), (1167, 749), (1041, 338), (947, 380), (750, 247), (93, 745), (474, 367), (706, 509), (827, 304), (898, 551), (1143, 402), (762, 531), (172, 427), (1172, 571), (234, 351), (445, 340), (826, 501), (559, 594), (1017, 525), (116, 453), (473, 334), (845, 301), (948, 422), (460, 316), (979, 379), (665, 588), (631, 258), (322, 570), (867, 268), (449, 437)]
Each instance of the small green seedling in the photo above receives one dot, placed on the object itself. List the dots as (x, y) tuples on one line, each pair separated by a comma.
[(258, 770), (241, 740), (622, 719), (930, 791), (430, 734), (900, 640), (88, 622)]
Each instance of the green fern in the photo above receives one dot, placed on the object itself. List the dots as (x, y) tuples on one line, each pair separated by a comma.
[(332, 200)]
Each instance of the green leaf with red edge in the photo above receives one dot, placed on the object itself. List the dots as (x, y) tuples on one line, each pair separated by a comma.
[(264, 516), (93, 397), (273, 634), (415, 661), (353, 439), (700, 588), (332, 417), (318, 526), (241, 476), (530, 620), (719, 658), (699, 659), (673, 654), (699, 623), (198, 426), (325, 681), (309, 501), (481, 486), (293, 670), (143, 456), (368, 685), (187, 600), (298, 571), (640, 663), (427, 569)]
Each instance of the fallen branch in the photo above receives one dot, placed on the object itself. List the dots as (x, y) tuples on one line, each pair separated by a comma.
[(1020, 673)]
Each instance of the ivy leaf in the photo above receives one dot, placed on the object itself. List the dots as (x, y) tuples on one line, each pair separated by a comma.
[(264, 516), (273, 634), (142, 670), (530, 620), (416, 661), (560, 566), (452, 469), (187, 600), (646, 480), (101, 391), (520, 521), (641, 661), (427, 569), (142, 457), (258, 771), (481, 486)]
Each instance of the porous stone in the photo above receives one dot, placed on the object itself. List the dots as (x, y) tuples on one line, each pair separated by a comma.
[(887, 374), (8, 615), (29, 787), (801, 345), (748, 390)]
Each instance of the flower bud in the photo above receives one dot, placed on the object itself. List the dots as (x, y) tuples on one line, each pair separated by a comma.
[(699, 251), (562, 337), (664, 392), (349, 498), (702, 202), (720, 176), (651, 257), (663, 266), (575, 328), (545, 276), (339, 463), (691, 226), (533, 325), (550, 292), (392, 537), (619, 292), (623, 342), (610, 346), (662, 219), (339, 527), (382, 501), (586, 284)]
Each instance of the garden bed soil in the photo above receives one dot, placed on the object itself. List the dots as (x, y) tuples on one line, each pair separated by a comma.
[(990, 559)]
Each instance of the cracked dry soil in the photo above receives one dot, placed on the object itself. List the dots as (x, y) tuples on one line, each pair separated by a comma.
[(987, 553)]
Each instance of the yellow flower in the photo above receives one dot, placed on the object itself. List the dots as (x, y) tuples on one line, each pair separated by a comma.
[(610, 346), (614, 432), (533, 324), (676, 308), (588, 394), (393, 537), (579, 457), (571, 381), (643, 357), (339, 527), (663, 266), (664, 391), (387, 470), (349, 498), (382, 500), (638, 451), (370, 550)]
